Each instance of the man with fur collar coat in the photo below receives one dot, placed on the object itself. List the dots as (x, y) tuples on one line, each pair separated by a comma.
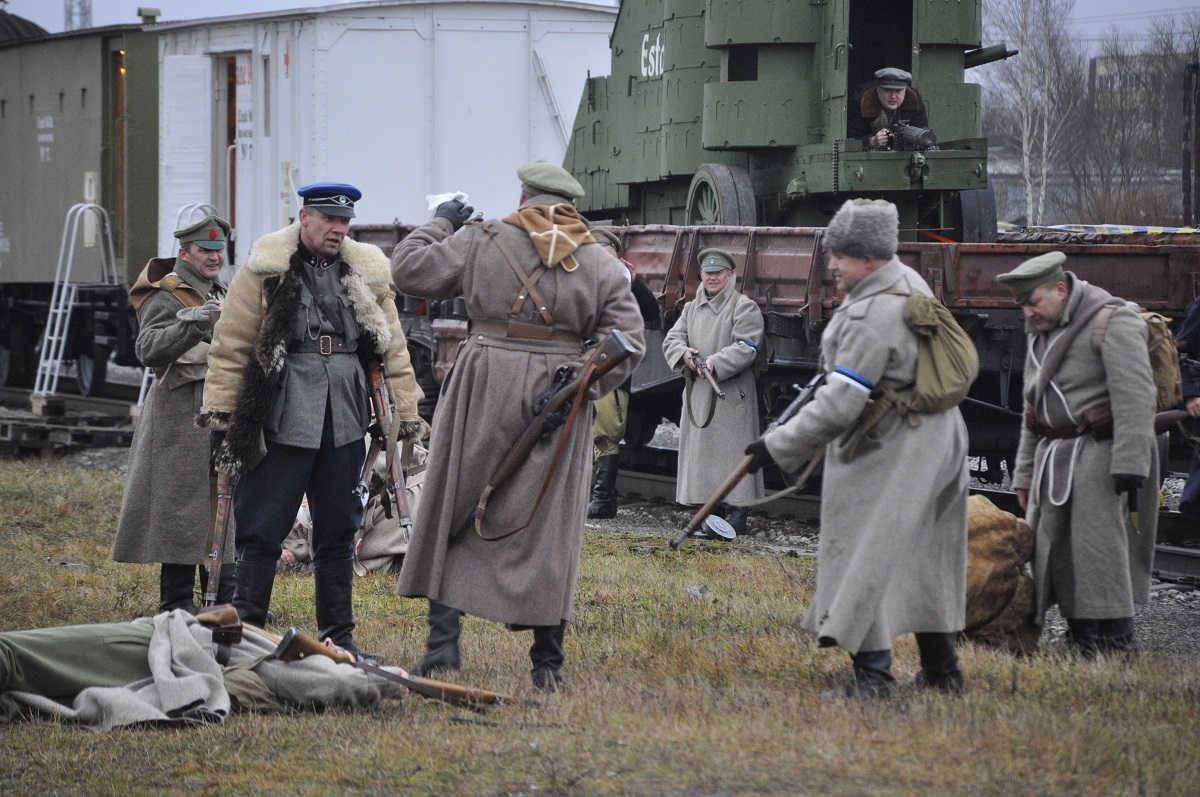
[(888, 100), (289, 401)]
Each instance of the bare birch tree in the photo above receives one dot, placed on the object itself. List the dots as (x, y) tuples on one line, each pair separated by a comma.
[(1041, 88)]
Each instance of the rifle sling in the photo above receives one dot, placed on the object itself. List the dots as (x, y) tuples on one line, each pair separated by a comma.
[(687, 401), (562, 444)]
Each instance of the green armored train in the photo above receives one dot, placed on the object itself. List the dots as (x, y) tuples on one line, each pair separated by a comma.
[(735, 112)]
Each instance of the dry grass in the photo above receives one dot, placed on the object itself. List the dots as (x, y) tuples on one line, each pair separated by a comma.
[(669, 695)]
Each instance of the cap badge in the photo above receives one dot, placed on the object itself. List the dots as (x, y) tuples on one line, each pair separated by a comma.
[(212, 234)]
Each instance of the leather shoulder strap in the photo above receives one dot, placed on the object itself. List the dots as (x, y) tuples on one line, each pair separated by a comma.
[(528, 281)]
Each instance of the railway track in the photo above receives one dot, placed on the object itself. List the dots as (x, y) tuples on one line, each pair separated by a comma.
[(1176, 558)]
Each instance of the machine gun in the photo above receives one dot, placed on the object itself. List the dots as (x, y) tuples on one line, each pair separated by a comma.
[(906, 137), (791, 411)]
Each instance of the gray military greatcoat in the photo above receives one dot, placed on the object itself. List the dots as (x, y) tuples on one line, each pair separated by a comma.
[(167, 506), (725, 328), (529, 577), (1088, 557), (893, 551)]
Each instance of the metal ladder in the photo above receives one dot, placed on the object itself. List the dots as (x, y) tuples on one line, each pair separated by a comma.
[(65, 293), (560, 125)]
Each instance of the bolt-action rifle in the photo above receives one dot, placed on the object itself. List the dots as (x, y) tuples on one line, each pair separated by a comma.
[(706, 372), (216, 551), (382, 436), (792, 410), (611, 352)]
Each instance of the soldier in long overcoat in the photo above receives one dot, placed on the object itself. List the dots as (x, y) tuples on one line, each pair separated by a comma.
[(515, 344), (1087, 447), (725, 329), (892, 557), (167, 506)]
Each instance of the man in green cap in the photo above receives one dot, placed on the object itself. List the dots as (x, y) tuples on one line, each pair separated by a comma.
[(888, 100), (612, 411), (536, 286), (721, 330), (1087, 457), (167, 507)]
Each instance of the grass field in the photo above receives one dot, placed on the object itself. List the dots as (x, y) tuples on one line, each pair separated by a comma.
[(669, 694)]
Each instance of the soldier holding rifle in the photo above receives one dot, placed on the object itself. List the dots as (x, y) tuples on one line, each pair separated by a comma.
[(167, 507), (716, 340), (287, 394), (893, 550), (537, 287)]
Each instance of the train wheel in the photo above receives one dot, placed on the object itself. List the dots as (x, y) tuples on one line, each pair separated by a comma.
[(641, 426), (978, 207), (91, 371), (18, 355), (721, 194), (5, 364)]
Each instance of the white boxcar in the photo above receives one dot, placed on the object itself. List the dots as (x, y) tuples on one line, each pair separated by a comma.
[(400, 98)]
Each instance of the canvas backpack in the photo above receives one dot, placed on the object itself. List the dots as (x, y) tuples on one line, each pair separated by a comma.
[(1164, 356), (947, 361)]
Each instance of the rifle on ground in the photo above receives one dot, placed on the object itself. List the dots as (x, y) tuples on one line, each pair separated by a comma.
[(611, 352), (296, 645), (805, 395), (220, 527), (383, 438)]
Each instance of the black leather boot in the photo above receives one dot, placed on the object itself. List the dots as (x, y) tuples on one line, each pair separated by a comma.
[(872, 677), (1116, 637), (1083, 637), (739, 518), (252, 593), (604, 491), (335, 607), (547, 656), (176, 588), (939, 664), (441, 645)]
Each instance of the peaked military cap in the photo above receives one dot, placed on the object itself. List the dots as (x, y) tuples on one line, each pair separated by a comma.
[(606, 237), (714, 259), (332, 199), (208, 233), (1034, 272), (893, 78), (544, 177)]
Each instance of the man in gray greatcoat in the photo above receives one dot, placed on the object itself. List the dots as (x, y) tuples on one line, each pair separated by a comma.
[(1088, 456), (892, 557), (167, 506), (287, 396), (518, 339), (723, 330)]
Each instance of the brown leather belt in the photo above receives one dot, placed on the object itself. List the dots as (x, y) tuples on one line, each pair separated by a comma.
[(524, 330), (326, 344), (1097, 422)]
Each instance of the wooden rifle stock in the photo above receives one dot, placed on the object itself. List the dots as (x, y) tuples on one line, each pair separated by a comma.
[(295, 645), (613, 351), (702, 366), (805, 395), (1163, 421), (381, 403), (220, 529)]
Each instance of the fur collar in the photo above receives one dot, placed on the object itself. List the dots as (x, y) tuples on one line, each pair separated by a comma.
[(871, 107), (272, 253)]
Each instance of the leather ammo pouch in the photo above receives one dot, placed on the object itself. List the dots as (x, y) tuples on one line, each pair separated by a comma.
[(224, 623), (1097, 422)]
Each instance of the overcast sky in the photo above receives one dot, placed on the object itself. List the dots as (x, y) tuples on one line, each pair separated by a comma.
[(1092, 18)]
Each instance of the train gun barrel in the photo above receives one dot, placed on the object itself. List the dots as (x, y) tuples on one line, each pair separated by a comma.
[(986, 55)]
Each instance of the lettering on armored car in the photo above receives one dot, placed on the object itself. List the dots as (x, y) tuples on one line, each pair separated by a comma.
[(652, 56)]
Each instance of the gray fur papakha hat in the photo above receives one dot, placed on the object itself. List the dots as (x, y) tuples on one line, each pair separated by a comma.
[(864, 228), (208, 233), (544, 177), (714, 259), (606, 237), (1035, 271)]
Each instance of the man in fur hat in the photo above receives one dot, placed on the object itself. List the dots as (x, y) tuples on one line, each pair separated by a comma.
[(888, 100), (1088, 456), (166, 509), (537, 286), (721, 330), (287, 394), (893, 551)]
